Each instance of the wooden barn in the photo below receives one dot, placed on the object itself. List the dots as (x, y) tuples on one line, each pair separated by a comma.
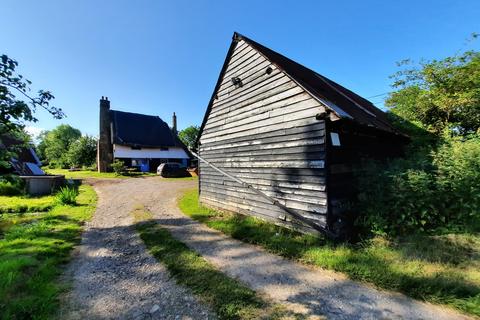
[(291, 133)]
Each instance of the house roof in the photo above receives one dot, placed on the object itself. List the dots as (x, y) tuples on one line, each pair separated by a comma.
[(345, 103), (140, 130)]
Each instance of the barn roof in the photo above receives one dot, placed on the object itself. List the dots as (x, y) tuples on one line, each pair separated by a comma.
[(140, 130), (345, 103)]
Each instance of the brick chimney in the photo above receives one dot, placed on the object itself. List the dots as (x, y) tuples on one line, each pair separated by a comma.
[(174, 123), (105, 146)]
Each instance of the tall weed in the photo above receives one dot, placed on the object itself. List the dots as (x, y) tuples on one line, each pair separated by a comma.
[(428, 190), (67, 196)]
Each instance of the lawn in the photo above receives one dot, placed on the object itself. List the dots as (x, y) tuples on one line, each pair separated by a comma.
[(25, 204), (442, 269), (82, 174), (34, 248), (229, 298)]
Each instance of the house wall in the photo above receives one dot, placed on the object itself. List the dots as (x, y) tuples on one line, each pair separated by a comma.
[(265, 133), (120, 151)]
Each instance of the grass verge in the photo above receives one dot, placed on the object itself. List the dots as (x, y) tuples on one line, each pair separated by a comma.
[(443, 269), (82, 174), (26, 204), (33, 249), (229, 298)]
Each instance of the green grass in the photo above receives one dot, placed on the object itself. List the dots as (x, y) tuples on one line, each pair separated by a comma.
[(26, 204), (33, 251), (229, 298), (443, 269), (82, 174), (181, 178)]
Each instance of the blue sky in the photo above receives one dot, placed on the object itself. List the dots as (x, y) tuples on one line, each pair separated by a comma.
[(156, 57)]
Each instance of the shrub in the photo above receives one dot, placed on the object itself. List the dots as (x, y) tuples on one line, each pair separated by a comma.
[(427, 191), (118, 167), (67, 196), (11, 186)]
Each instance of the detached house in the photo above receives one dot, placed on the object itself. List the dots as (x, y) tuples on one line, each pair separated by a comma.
[(291, 133), (140, 141)]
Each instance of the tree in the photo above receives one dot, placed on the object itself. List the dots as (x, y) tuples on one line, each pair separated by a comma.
[(57, 142), (189, 136), (15, 111), (440, 94), (82, 152)]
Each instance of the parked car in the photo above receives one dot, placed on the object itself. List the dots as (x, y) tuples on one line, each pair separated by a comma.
[(172, 170)]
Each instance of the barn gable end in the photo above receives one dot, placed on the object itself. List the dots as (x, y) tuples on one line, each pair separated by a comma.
[(294, 135), (261, 127)]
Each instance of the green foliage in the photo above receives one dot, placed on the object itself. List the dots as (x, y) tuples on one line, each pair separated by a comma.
[(82, 152), (189, 136), (67, 196), (229, 298), (118, 167), (429, 190), (440, 94), (16, 111), (11, 185), (56, 144), (436, 268), (17, 105), (21, 204), (33, 251)]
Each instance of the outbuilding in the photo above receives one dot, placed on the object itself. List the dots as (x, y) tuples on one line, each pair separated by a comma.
[(292, 134)]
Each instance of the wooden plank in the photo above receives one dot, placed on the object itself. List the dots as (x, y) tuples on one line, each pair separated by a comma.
[(293, 172), (221, 160), (288, 134), (231, 190), (259, 213), (255, 151), (256, 204), (254, 94), (275, 189), (296, 110), (236, 60), (236, 197), (243, 64), (239, 48), (250, 80), (281, 180)]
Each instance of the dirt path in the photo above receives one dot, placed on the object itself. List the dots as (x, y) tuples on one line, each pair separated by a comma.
[(113, 267), (113, 275)]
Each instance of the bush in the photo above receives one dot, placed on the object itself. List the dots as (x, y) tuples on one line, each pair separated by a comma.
[(427, 191), (67, 196), (11, 186), (118, 167)]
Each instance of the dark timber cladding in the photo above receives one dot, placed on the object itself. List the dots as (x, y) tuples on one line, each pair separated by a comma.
[(267, 124)]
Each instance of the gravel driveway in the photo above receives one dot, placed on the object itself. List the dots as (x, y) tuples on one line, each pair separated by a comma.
[(113, 275), (115, 278)]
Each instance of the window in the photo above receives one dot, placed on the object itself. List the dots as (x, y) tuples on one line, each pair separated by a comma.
[(335, 138), (163, 148)]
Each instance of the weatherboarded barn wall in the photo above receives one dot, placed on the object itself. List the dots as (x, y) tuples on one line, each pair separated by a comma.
[(263, 130)]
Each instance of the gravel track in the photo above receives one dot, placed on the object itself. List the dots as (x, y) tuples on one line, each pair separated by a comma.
[(115, 278), (112, 274)]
